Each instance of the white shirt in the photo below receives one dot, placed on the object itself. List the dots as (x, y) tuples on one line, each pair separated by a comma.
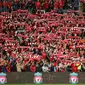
[(45, 69)]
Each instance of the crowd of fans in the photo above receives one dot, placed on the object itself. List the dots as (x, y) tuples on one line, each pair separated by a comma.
[(41, 42), (49, 42), (34, 5)]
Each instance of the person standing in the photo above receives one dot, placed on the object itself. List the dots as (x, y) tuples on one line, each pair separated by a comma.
[(74, 67), (82, 6), (76, 4), (29, 5), (18, 66), (68, 4), (46, 4), (5, 6), (56, 5), (10, 5), (16, 5), (33, 67), (45, 68), (38, 5), (51, 4), (0, 6), (4, 68)]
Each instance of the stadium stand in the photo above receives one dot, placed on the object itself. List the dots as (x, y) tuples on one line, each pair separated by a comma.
[(49, 42)]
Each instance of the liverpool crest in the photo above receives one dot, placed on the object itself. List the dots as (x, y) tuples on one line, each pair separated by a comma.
[(38, 78), (3, 78), (73, 78)]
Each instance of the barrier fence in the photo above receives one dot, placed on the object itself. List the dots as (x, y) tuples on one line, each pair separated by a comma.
[(45, 78)]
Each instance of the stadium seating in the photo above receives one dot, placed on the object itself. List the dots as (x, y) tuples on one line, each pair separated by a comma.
[(49, 42)]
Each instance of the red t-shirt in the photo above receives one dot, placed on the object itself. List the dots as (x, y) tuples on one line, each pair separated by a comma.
[(44, 55), (56, 5), (56, 70), (38, 4), (33, 68), (74, 68), (9, 4), (8, 68), (46, 5), (16, 1), (63, 70), (72, 64), (51, 58), (82, 1), (4, 3), (0, 3), (63, 2), (55, 63), (60, 4)]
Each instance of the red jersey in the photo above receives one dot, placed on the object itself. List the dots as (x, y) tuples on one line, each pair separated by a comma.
[(33, 68), (0, 4), (60, 4), (56, 5), (46, 5), (8, 68), (63, 70), (16, 1), (74, 68), (5, 4), (9, 4), (72, 64), (57, 70), (44, 55), (38, 5)]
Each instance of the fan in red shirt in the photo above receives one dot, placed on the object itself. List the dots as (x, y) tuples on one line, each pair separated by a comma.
[(44, 55), (8, 67), (16, 1), (33, 68), (5, 3), (46, 5), (38, 5), (63, 70), (9, 4), (56, 4), (0, 3), (61, 4), (74, 67)]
